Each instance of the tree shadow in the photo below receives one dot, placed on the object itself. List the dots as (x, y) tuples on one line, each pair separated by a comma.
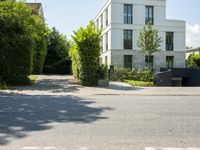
[(52, 86), (21, 114)]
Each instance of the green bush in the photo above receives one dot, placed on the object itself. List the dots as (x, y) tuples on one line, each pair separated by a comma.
[(122, 74), (85, 54), (103, 72), (57, 60), (40, 37), (139, 83), (61, 67), (193, 61), (16, 43)]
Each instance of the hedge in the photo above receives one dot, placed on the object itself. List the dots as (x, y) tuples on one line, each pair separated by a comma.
[(85, 55), (121, 74), (16, 48)]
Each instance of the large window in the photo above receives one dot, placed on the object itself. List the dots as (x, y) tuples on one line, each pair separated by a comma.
[(128, 39), (149, 62), (128, 59), (101, 45), (149, 12), (128, 14), (106, 36), (170, 61), (106, 17), (101, 21), (106, 60), (169, 41)]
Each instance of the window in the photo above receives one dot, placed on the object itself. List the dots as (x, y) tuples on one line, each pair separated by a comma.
[(170, 61), (128, 14), (97, 23), (106, 41), (106, 60), (128, 59), (101, 21), (106, 17), (149, 62), (128, 39), (101, 45), (149, 14), (169, 41)]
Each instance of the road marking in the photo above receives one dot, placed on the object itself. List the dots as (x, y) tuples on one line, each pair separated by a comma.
[(39, 148), (150, 148)]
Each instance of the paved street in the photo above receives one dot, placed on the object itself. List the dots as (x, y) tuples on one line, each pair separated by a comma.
[(56, 121)]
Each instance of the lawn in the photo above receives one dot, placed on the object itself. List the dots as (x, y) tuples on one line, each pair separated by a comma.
[(139, 83)]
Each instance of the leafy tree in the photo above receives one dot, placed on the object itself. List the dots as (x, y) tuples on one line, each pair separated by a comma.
[(193, 61), (20, 33), (57, 60), (40, 37), (149, 42), (85, 54)]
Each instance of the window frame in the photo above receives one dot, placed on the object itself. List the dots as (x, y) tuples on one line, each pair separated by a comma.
[(128, 61), (128, 14), (128, 46), (148, 17)]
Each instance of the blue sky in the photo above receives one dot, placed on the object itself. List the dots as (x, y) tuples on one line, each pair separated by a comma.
[(67, 15)]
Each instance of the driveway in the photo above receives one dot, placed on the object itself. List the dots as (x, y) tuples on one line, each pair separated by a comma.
[(56, 114)]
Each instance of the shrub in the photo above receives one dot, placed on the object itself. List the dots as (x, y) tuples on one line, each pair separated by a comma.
[(139, 83), (61, 67), (40, 37), (193, 61), (103, 72), (122, 74), (16, 48), (85, 54), (57, 60)]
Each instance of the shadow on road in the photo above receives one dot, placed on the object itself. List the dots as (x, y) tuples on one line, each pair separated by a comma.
[(21, 114)]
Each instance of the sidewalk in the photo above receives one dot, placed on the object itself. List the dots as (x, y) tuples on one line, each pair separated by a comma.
[(65, 85)]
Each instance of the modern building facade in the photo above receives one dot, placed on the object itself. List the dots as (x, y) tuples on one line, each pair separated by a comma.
[(122, 21)]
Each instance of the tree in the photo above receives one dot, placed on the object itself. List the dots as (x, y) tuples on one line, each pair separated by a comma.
[(16, 43), (40, 38), (57, 60), (149, 42), (85, 54), (193, 61)]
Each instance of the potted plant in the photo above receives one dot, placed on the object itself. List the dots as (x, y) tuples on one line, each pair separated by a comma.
[(103, 76)]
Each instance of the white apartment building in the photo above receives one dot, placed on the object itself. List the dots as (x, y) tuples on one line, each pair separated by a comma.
[(122, 21)]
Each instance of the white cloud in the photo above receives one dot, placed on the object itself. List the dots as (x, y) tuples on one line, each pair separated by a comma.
[(193, 35)]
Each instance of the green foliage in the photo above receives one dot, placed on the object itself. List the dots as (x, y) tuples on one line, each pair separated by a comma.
[(122, 74), (103, 72), (193, 61), (139, 83), (85, 54), (16, 43), (57, 60), (40, 37), (149, 42)]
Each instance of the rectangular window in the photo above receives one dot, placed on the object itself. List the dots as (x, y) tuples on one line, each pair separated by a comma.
[(106, 60), (101, 21), (101, 45), (149, 62), (97, 24), (106, 41), (128, 39), (128, 14), (149, 14), (169, 41), (106, 17), (128, 59), (170, 61)]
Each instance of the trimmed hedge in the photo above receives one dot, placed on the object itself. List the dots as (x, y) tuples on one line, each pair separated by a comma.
[(193, 61), (85, 55), (122, 74), (16, 48)]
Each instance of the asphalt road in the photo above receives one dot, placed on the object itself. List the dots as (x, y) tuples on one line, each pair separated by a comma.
[(98, 122)]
